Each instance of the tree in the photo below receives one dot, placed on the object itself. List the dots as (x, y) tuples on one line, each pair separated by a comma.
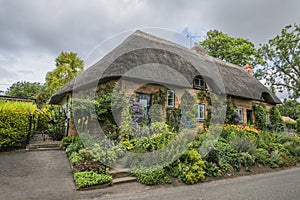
[(68, 66), (238, 51), (24, 89), (290, 108), (281, 61)]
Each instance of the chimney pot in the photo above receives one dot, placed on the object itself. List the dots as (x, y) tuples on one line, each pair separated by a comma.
[(248, 68), (199, 50)]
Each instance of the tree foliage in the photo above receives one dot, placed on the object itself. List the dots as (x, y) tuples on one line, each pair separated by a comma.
[(281, 61), (68, 66), (290, 108), (24, 89), (239, 51)]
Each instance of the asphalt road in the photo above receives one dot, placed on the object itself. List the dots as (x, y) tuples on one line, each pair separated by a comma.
[(47, 175), (283, 185)]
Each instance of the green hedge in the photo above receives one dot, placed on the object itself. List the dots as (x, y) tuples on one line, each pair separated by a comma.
[(14, 123)]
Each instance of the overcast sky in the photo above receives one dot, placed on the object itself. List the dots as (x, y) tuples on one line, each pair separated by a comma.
[(34, 32)]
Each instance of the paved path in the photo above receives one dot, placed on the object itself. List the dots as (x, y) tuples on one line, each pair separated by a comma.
[(47, 175), (283, 185)]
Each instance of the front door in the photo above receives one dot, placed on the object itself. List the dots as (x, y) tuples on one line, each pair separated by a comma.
[(145, 100), (249, 117)]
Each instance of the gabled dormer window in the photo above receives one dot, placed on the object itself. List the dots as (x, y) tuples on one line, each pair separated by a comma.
[(199, 82)]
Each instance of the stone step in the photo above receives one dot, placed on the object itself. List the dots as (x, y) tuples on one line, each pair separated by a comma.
[(118, 173), (43, 149), (55, 145), (126, 179)]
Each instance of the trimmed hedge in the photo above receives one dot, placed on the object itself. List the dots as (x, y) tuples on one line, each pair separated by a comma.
[(15, 123)]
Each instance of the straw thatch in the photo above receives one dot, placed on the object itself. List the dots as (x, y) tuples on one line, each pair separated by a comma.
[(145, 57)]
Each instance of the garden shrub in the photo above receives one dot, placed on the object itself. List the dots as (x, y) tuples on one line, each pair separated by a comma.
[(243, 144), (262, 156), (74, 147), (92, 166), (298, 126), (276, 120), (161, 137), (287, 160), (75, 158), (189, 168), (90, 178), (154, 175), (212, 169), (15, 120), (66, 141), (173, 118), (227, 155), (276, 160), (108, 156), (246, 160), (57, 126), (260, 117)]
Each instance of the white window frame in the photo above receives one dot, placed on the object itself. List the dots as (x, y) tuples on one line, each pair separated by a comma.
[(201, 112), (201, 82), (268, 120), (171, 101), (240, 113)]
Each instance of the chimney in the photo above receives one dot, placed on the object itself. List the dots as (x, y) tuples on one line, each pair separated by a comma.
[(248, 68), (199, 50)]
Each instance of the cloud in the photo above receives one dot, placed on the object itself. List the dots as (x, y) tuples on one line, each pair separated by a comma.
[(34, 32)]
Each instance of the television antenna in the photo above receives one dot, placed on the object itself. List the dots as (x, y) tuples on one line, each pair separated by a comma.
[(191, 37)]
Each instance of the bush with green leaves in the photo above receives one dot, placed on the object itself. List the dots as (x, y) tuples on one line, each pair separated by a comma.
[(75, 146), (66, 141), (276, 160), (107, 155), (262, 156), (298, 126), (75, 158), (212, 169), (243, 144), (154, 175), (276, 120), (246, 160), (15, 120), (288, 161), (260, 113), (227, 155), (189, 168), (90, 178)]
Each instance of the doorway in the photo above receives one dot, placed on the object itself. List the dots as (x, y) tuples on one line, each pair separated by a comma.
[(249, 117), (145, 100)]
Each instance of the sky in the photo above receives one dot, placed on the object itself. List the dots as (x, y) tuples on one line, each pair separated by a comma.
[(34, 32)]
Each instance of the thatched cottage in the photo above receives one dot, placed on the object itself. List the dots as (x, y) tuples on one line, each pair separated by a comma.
[(144, 64)]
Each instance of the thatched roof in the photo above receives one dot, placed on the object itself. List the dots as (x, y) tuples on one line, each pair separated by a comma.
[(145, 57)]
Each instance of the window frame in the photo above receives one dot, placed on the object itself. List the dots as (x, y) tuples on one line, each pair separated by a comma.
[(268, 119), (240, 113), (198, 117), (168, 99), (201, 80)]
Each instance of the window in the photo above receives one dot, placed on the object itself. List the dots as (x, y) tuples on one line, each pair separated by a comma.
[(240, 113), (201, 112), (171, 98), (268, 121), (199, 83)]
